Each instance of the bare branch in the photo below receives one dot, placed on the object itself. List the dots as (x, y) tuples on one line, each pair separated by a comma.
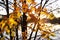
[(51, 3), (45, 3)]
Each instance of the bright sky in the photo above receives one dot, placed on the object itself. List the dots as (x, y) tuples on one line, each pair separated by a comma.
[(52, 6)]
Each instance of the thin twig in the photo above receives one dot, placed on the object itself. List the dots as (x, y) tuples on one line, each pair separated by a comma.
[(32, 32), (51, 3), (45, 3), (36, 34)]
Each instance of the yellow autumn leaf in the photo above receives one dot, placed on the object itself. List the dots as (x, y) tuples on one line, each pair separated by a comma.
[(29, 1), (2, 23), (51, 16), (12, 22), (45, 9), (52, 34), (48, 38), (7, 30), (32, 8), (13, 34), (18, 14), (44, 13), (11, 15), (24, 7)]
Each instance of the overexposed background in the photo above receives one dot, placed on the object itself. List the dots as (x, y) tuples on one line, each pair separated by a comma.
[(49, 7)]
